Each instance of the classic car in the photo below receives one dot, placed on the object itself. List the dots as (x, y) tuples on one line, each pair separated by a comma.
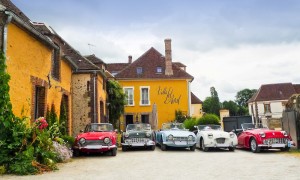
[(212, 136), (257, 137), (96, 137), (175, 135), (138, 135)]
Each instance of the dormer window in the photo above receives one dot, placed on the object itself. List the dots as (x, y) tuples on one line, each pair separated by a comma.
[(158, 70), (139, 70)]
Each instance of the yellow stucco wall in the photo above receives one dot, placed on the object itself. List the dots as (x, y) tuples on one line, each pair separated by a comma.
[(26, 57), (101, 96), (168, 95), (196, 110)]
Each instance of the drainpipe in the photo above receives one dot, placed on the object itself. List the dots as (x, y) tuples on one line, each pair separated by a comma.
[(4, 42), (94, 98), (189, 98)]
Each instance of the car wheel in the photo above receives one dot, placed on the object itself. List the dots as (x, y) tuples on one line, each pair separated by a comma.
[(253, 146), (231, 148), (76, 153), (124, 148), (205, 149), (192, 148), (114, 152), (163, 147), (153, 147)]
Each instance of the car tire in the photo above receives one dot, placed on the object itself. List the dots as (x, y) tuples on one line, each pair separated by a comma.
[(253, 146), (76, 153), (114, 152), (152, 148), (124, 148), (205, 149), (192, 148), (163, 147), (231, 148)]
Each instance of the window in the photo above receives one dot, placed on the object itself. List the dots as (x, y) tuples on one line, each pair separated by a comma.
[(55, 69), (129, 96), (158, 70), (40, 97), (145, 96), (267, 108), (139, 70)]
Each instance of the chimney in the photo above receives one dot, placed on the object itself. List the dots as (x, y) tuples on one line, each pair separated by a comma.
[(168, 57), (129, 59)]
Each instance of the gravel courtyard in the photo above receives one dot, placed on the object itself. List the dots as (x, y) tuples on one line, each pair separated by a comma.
[(178, 164)]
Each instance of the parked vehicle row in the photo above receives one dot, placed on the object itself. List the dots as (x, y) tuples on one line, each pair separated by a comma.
[(101, 137)]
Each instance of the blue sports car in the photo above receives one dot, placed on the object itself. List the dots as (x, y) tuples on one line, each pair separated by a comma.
[(175, 135)]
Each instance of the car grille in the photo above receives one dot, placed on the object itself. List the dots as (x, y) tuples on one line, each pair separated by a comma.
[(180, 139), (276, 141), (220, 140), (95, 142), (139, 140)]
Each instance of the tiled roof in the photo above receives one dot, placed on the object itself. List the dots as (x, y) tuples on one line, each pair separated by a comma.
[(281, 91), (116, 67), (149, 62), (195, 99), (94, 59), (68, 51), (11, 7), (179, 64)]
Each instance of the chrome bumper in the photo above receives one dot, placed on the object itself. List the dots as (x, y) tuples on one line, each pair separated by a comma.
[(95, 147), (138, 144), (179, 143)]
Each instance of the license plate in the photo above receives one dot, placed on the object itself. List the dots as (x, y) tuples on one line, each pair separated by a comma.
[(289, 143), (278, 145), (94, 147)]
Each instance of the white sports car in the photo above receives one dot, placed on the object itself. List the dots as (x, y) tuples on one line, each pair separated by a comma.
[(212, 136)]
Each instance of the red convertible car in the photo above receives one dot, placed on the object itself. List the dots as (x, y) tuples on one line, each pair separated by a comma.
[(257, 137), (97, 137)]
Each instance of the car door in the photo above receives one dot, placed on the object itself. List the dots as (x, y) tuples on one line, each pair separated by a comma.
[(241, 139)]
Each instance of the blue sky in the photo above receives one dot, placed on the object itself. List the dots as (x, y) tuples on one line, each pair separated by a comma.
[(228, 44)]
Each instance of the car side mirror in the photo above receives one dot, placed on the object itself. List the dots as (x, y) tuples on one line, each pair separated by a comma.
[(81, 131)]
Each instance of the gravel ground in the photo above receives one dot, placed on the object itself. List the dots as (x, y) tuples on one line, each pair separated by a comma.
[(177, 164)]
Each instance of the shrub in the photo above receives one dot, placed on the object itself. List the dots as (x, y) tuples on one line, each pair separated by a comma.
[(208, 119), (190, 123)]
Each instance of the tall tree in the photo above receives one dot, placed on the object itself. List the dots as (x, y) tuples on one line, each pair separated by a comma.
[(212, 104), (243, 96), (231, 106), (116, 100)]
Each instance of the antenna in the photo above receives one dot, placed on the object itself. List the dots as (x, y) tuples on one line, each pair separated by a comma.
[(90, 45)]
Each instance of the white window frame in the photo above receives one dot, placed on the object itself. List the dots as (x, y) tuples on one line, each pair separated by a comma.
[(127, 99), (141, 95)]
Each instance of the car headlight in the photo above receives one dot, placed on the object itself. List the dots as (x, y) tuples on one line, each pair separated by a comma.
[(148, 134), (210, 135), (231, 135), (106, 140), (170, 137), (284, 133), (82, 141), (126, 135), (262, 134), (190, 138)]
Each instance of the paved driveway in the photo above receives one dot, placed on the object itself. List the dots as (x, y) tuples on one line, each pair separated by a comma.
[(178, 164)]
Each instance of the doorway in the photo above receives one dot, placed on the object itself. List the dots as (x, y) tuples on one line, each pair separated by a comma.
[(129, 119)]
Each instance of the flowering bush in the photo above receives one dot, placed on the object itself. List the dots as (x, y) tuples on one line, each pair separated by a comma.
[(64, 153), (41, 123)]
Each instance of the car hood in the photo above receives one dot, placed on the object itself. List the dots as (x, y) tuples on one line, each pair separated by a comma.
[(269, 133), (96, 135), (216, 133), (178, 133)]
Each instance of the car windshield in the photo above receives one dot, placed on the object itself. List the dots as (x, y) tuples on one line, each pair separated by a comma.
[(249, 126), (209, 127), (138, 127), (173, 126), (99, 128)]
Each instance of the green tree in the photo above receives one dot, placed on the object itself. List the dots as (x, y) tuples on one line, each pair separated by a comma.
[(116, 100), (212, 104), (243, 96), (231, 106)]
